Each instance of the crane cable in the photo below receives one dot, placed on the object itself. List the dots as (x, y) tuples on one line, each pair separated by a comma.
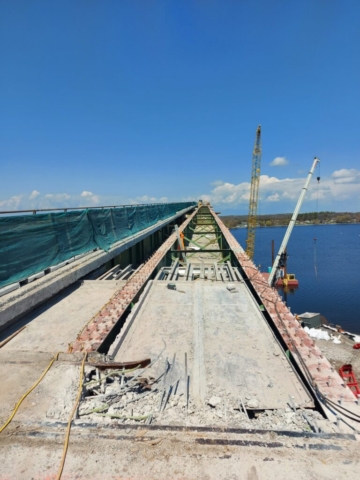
[(317, 217)]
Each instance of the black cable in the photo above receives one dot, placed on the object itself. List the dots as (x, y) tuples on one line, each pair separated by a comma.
[(339, 408), (320, 397), (317, 217), (318, 394)]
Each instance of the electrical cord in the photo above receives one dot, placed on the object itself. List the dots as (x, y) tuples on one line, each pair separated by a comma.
[(67, 435), (27, 393)]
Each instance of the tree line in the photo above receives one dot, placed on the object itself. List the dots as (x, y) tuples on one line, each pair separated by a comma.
[(283, 219)]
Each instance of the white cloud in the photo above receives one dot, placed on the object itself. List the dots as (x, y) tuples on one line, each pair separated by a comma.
[(12, 203), (58, 197), (343, 185), (87, 194), (35, 200), (148, 199), (338, 191), (279, 162), (90, 198), (34, 194), (346, 176), (229, 193), (275, 197)]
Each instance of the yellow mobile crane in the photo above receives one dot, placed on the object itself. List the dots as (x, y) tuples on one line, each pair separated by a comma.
[(254, 194)]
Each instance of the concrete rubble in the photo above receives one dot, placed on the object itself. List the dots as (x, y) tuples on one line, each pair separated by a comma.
[(140, 398)]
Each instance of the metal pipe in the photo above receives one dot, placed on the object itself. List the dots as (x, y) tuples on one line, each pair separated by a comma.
[(231, 272), (4, 342), (243, 407), (173, 271), (186, 384), (65, 209), (187, 271), (164, 384), (292, 223)]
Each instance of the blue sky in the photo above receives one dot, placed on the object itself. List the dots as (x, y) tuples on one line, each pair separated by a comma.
[(110, 102)]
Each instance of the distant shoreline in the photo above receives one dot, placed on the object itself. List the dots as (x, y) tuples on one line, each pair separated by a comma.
[(303, 219), (296, 225)]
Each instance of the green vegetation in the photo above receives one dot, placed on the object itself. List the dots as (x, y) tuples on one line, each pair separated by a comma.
[(283, 219)]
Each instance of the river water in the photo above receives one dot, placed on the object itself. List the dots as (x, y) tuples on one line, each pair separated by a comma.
[(328, 268)]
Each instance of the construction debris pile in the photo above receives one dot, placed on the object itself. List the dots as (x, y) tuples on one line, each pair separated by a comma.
[(135, 395)]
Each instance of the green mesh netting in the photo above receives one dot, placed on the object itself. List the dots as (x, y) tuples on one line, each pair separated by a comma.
[(32, 243)]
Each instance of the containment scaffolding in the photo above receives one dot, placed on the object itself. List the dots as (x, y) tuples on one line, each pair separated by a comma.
[(33, 243)]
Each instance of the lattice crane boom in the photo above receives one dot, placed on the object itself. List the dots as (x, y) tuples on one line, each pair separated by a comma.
[(254, 194)]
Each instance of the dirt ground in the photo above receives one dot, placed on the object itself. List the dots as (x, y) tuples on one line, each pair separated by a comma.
[(340, 354)]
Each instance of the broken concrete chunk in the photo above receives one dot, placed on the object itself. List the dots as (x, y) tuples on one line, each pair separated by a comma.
[(231, 288), (214, 401), (115, 409), (252, 403)]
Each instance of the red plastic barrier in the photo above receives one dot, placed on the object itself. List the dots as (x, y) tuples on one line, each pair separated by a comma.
[(347, 374)]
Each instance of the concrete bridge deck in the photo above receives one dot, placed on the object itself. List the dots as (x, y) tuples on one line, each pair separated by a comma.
[(231, 350), (241, 406)]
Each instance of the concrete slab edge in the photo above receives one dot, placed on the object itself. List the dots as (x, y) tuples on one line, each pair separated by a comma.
[(115, 347)]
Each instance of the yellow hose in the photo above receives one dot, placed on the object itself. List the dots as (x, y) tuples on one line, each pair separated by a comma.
[(27, 393), (67, 436)]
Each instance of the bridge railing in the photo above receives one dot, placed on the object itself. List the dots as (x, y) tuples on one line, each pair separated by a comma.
[(34, 243)]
